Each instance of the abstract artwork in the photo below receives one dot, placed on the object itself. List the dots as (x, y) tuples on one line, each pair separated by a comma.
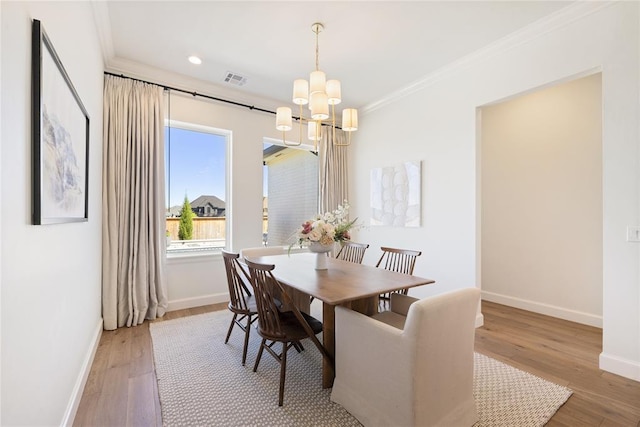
[(60, 139), (395, 195)]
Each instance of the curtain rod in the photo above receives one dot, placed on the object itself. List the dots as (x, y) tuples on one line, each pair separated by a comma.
[(194, 93), (213, 98)]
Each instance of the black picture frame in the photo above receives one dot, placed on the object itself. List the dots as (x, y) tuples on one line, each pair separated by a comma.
[(60, 139)]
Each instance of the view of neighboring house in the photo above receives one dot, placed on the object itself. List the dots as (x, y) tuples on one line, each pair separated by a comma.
[(203, 206), (208, 206)]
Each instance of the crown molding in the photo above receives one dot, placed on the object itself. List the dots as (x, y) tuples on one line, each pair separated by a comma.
[(552, 22)]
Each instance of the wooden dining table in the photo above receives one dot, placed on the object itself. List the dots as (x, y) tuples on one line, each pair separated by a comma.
[(357, 286)]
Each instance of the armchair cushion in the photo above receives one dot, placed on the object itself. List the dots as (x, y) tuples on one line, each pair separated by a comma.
[(396, 316), (400, 303)]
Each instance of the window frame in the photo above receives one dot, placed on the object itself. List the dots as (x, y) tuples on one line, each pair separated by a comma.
[(227, 135)]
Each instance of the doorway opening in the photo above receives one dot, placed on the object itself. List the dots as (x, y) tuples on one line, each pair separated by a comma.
[(540, 201)]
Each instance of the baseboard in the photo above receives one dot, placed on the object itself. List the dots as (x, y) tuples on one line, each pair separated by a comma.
[(479, 320), (76, 395), (549, 310), (619, 366), (181, 304)]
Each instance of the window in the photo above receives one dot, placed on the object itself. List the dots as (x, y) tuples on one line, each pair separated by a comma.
[(195, 162), (290, 191)]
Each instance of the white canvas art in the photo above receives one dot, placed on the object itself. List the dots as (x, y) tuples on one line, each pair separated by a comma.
[(395, 195)]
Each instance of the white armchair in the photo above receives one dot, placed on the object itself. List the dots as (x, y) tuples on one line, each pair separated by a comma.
[(421, 375)]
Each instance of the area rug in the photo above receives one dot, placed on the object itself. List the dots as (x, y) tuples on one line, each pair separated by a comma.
[(201, 382)]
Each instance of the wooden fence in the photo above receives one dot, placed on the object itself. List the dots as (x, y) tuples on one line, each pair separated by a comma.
[(205, 228)]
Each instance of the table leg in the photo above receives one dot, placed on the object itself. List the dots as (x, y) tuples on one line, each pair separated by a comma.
[(299, 298), (329, 343)]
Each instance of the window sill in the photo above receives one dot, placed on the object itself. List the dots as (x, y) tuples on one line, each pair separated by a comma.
[(200, 256)]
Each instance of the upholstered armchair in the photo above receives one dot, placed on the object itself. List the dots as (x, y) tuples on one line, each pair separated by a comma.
[(421, 375)]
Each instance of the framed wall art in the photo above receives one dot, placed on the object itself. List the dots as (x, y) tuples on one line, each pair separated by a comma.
[(60, 139), (395, 195)]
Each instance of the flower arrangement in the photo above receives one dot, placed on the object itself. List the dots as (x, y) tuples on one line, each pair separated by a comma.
[(326, 228)]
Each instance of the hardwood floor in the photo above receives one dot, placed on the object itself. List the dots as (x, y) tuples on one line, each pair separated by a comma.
[(122, 390)]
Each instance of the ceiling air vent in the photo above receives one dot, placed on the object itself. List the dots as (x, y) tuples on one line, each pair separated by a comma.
[(235, 79)]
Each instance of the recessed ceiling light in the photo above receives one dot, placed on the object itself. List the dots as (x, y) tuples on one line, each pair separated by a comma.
[(195, 60)]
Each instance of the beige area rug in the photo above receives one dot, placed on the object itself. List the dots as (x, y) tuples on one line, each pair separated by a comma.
[(202, 383)]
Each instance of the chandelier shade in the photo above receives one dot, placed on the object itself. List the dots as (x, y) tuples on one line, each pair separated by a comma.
[(349, 119), (317, 82), (319, 93), (300, 92), (314, 132), (333, 92), (284, 121), (319, 106)]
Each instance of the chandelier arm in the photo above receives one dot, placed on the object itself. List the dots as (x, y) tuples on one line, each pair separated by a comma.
[(300, 127), (333, 122)]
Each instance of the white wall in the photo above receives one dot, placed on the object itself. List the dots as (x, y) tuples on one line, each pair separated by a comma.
[(541, 197), (51, 315), (435, 121)]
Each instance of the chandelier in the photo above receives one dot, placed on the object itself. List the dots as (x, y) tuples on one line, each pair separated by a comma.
[(318, 93)]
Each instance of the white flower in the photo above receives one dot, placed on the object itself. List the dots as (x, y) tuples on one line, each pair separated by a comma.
[(326, 228), (314, 235)]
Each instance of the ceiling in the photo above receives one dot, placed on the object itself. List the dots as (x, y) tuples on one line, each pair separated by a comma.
[(373, 47)]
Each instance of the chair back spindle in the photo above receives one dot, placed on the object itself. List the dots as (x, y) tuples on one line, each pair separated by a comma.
[(352, 252), (398, 260)]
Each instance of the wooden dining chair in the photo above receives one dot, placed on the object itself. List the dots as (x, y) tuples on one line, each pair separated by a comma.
[(241, 302), (352, 252), (274, 325), (398, 260)]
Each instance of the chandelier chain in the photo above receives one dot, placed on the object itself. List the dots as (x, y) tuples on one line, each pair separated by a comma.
[(316, 29)]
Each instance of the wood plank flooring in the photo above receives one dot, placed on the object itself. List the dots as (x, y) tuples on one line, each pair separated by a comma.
[(122, 391)]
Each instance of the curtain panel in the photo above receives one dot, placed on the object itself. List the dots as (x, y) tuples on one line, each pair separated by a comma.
[(333, 172), (133, 192)]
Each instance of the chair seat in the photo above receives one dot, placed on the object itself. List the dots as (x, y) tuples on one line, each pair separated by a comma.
[(252, 307), (291, 327)]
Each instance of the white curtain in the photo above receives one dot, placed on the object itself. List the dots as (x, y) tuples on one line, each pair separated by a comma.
[(334, 183), (133, 223)]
